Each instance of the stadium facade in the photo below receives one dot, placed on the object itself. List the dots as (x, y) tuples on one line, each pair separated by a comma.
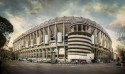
[(65, 39)]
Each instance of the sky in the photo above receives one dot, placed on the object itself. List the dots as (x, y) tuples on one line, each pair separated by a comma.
[(25, 14)]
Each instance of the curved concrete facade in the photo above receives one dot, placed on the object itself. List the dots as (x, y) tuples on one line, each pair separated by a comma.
[(64, 38)]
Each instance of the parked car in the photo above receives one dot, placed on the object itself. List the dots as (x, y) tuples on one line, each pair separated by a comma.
[(34, 60), (46, 60), (22, 59), (83, 62), (39, 60)]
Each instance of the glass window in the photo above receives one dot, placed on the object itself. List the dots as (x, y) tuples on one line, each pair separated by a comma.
[(79, 27), (75, 28), (84, 27)]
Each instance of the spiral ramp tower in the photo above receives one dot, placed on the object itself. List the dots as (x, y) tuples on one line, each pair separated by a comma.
[(79, 45)]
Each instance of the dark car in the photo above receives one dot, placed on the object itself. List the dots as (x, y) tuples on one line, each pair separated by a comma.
[(83, 62)]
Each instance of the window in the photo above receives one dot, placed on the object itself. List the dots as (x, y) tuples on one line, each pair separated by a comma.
[(79, 27), (37, 33), (52, 37), (66, 38), (84, 27), (75, 28)]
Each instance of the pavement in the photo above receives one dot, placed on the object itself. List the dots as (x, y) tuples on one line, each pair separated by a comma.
[(25, 67)]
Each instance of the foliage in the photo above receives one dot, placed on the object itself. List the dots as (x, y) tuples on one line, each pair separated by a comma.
[(5, 28), (121, 51)]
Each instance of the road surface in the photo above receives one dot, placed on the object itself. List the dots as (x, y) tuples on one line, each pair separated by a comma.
[(24, 67)]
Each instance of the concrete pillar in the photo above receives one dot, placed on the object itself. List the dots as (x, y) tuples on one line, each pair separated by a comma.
[(40, 35), (36, 36), (29, 54), (82, 28), (44, 35), (48, 33), (46, 53), (56, 40), (76, 27), (33, 38), (33, 53), (29, 39), (25, 54), (95, 36), (40, 53), (43, 53), (64, 42)]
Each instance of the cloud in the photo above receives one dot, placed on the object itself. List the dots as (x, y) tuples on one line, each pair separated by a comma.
[(26, 14), (112, 34), (120, 18)]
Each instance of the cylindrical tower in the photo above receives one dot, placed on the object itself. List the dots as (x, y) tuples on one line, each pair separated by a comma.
[(79, 42)]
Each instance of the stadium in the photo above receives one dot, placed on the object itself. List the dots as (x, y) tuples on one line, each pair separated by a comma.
[(65, 39)]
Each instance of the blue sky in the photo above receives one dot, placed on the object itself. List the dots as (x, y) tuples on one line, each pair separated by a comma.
[(24, 14)]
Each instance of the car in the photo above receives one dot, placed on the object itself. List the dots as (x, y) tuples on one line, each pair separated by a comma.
[(83, 62), (39, 60), (34, 60), (46, 60), (22, 59)]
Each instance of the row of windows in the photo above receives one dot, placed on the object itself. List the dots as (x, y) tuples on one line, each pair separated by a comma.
[(77, 52), (80, 38), (78, 48), (80, 27), (79, 45)]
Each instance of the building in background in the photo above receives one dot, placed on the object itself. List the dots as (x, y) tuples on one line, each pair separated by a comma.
[(65, 39)]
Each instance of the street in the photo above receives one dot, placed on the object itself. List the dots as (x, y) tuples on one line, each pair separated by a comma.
[(25, 67)]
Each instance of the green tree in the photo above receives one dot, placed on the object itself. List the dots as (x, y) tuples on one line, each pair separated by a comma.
[(121, 51), (5, 29)]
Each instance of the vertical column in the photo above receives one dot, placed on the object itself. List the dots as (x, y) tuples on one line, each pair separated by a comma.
[(44, 36), (44, 43), (46, 53), (33, 38), (40, 53), (76, 27), (56, 40), (29, 39), (48, 33), (25, 54), (33, 53), (99, 39), (29, 55), (36, 36), (43, 53), (95, 36), (82, 27), (103, 40), (64, 41), (40, 35), (94, 41)]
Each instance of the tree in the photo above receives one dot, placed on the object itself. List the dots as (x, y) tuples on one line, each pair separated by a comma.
[(121, 51), (2, 40), (5, 29)]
